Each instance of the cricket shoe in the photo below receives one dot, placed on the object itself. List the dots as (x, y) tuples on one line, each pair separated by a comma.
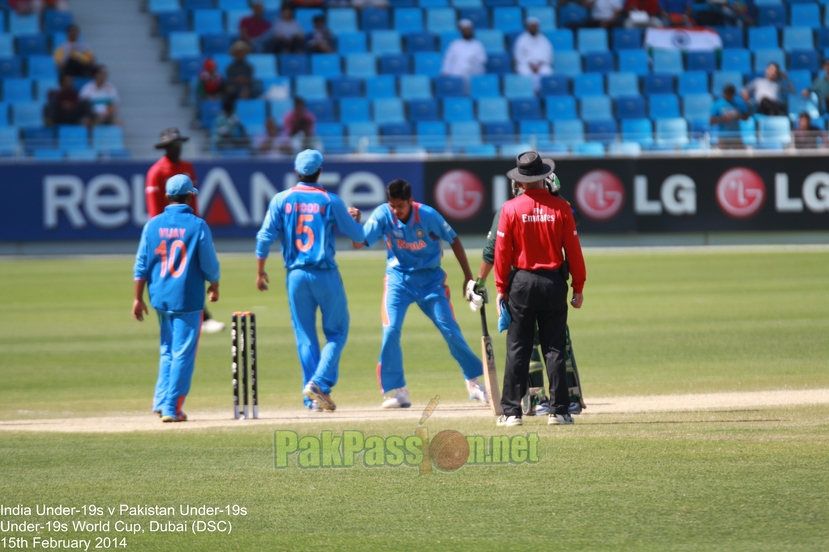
[(477, 391), (212, 326), (574, 408), (400, 399), (313, 392), (509, 421), (314, 406), (180, 417), (543, 407), (560, 419)]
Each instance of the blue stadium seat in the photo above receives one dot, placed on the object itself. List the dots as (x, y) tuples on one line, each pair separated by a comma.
[(537, 132), (394, 64), (697, 106), (6, 45), (252, 115), (351, 43), (599, 62), (596, 108), (518, 86), (762, 38), (672, 132), (360, 65), (159, 6), (555, 85), (692, 82), (545, 14), (183, 45), (408, 20), (561, 39), (73, 137), (765, 56), (440, 20), (803, 60), (798, 104), (525, 109), (354, 110), (603, 132), (499, 63), (10, 67), (42, 67), (396, 134), (218, 43), (732, 37), (23, 24), (465, 133), (446, 87), (108, 139), (422, 41), (771, 15), (17, 90), (447, 38), (479, 16), (622, 84), (568, 132), (173, 22), (27, 115), (305, 17), (278, 108), (480, 150), (572, 15), (423, 110), (385, 42), (47, 154), (323, 110), (823, 38), (588, 84), (634, 61), (403, 4), (773, 131), (721, 78), (805, 15), (332, 137), (233, 18), (232, 4), (208, 22), (208, 111), (592, 40), (493, 110), (639, 131), (9, 143), (32, 45), (701, 61), (627, 39), (388, 110), (326, 65), (431, 135), (4, 114), (42, 88), (801, 78), (568, 63), (82, 155), (492, 40), (415, 87), (625, 148), (630, 107), (38, 137), (428, 63), (659, 84), (342, 20), (560, 107), (663, 106), (197, 4), (264, 65), (458, 109), (293, 65), (383, 86), (668, 62), (373, 19), (590, 149), (484, 86), (508, 19), (499, 133), (798, 38), (311, 87)]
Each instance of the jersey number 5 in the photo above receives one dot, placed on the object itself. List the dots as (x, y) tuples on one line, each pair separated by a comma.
[(169, 264), (302, 229)]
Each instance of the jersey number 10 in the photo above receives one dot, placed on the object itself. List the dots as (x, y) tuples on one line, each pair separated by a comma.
[(169, 264)]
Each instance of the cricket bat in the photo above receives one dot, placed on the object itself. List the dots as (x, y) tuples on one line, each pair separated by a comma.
[(490, 373)]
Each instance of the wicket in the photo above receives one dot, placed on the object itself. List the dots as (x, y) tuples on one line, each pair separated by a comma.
[(242, 342)]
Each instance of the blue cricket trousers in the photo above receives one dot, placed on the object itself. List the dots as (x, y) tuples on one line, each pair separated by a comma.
[(179, 344)]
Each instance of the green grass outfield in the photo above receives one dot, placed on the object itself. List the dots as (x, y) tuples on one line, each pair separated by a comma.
[(660, 322)]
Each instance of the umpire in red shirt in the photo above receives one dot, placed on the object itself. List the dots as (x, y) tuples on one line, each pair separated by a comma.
[(531, 278)]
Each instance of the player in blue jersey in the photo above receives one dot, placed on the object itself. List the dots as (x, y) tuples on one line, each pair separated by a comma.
[(304, 218), (413, 234), (175, 257)]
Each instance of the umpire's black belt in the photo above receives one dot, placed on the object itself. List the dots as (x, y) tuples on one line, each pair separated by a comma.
[(561, 271)]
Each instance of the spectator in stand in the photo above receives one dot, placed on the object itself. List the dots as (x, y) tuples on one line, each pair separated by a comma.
[(360, 4), (465, 56), (103, 98), (65, 106), (642, 13), (272, 143), (604, 13), (288, 36), (228, 131), (27, 7), (726, 114), (677, 13), (739, 12), (240, 83), (768, 91), (300, 126), (73, 56), (533, 53), (211, 81), (255, 29), (320, 40), (820, 86), (806, 135)]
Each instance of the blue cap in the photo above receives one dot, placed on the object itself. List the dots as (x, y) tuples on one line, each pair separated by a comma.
[(308, 162), (180, 184)]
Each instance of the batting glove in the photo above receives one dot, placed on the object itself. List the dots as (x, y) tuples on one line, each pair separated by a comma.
[(480, 289), (475, 301)]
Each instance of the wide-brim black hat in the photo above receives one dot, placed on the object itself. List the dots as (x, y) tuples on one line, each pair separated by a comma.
[(170, 136), (531, 167)]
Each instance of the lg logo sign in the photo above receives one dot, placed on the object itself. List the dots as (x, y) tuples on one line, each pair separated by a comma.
[(459, 195), (600, 195), (741, 193)]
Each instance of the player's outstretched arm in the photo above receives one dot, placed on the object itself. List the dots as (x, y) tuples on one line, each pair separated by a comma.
[(460, 254)]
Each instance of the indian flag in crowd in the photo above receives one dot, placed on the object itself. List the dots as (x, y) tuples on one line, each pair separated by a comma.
[(688, 39)]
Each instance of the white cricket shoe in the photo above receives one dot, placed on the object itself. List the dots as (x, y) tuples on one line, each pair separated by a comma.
[(509, 421), (477, 391), (399, 400), (560, 419), (212, 326)]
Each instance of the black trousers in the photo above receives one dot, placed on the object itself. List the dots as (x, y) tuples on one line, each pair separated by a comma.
[(536, 299)]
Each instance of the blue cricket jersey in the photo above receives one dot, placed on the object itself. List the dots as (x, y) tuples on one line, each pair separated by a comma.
[(414, 245), (176, 256), (304, 218)]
